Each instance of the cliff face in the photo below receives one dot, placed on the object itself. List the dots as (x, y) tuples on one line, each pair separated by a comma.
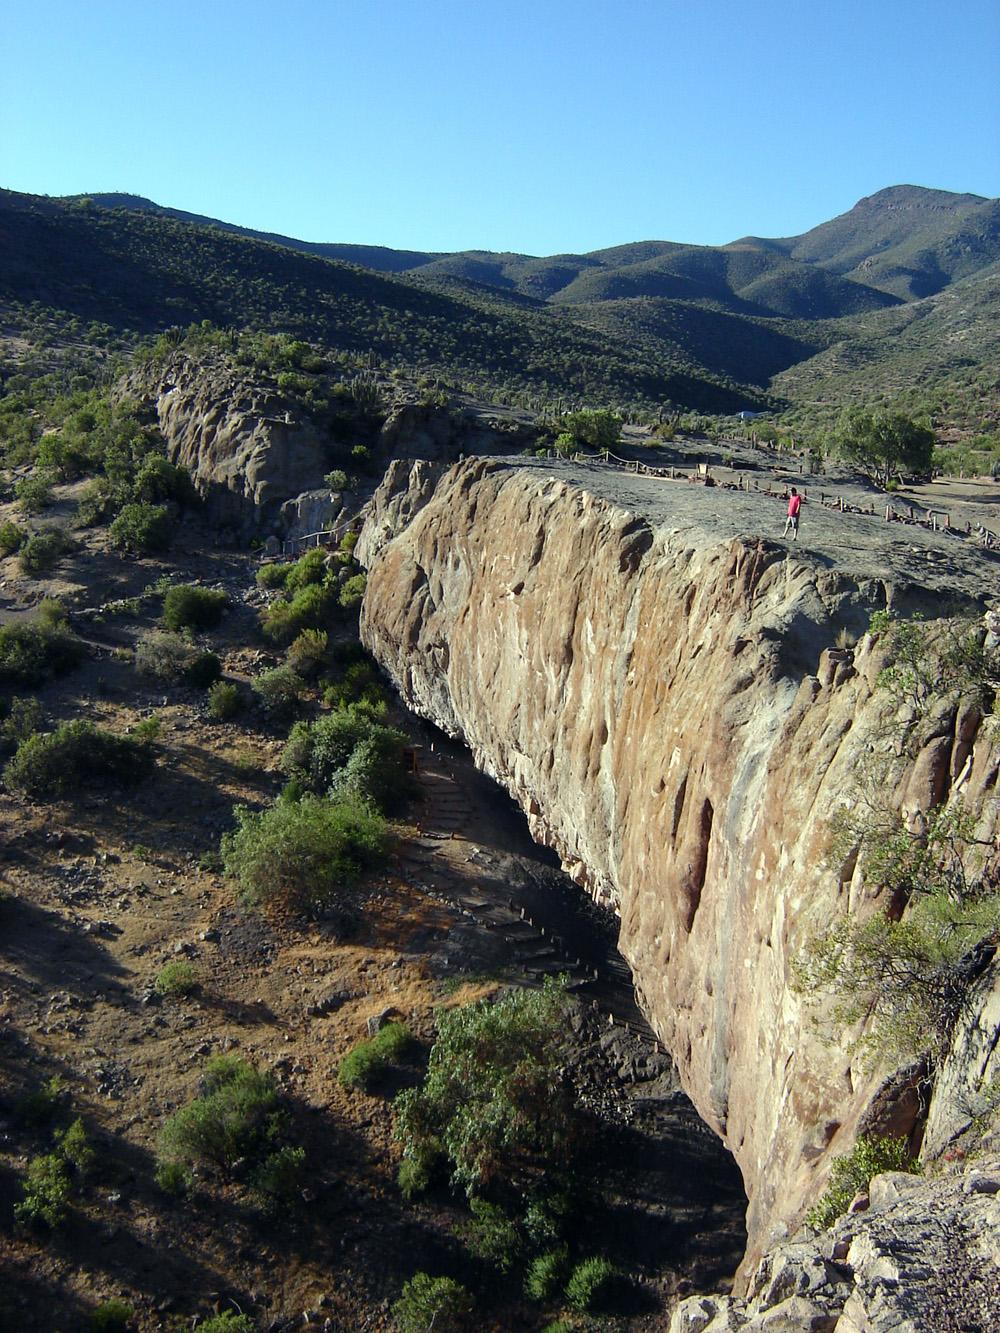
[(664, 703), (246, 451)]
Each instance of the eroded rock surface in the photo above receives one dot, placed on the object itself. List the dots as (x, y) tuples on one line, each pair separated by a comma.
[(657, 685), (922, 1258)]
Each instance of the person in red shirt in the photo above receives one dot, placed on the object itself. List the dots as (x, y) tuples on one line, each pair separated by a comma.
[(792, 521)]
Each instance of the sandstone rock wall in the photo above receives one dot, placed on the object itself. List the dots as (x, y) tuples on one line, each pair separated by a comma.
[(666, 704), (246, 451)]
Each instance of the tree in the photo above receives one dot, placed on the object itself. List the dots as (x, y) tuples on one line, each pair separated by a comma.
[(600, 429), (881, 443)]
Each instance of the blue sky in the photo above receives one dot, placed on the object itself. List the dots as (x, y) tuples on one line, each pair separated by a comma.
[(539, 127)]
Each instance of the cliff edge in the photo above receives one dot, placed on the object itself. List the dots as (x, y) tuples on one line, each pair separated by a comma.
[(657, 684)]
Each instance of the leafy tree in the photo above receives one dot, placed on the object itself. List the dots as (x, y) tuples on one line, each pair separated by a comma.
[(493, 1101), (142, 528), (882, 443), (597, 428)]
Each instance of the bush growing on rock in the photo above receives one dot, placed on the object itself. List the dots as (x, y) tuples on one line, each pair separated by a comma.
[(224, 701), (852, 1173), (73, 758), (187, 606), (302, 854)]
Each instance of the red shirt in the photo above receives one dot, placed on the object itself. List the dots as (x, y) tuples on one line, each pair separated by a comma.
[(794, 501)]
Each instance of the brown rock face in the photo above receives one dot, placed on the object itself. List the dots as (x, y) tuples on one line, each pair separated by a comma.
[(245, 451), (662, 700)]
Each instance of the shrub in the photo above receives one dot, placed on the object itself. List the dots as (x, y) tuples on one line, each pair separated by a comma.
[(73, 758), (353, 591), (312, 607), (74, 1147), (362, 1066), (186, 606), (34, 494), (33, 650), (302, 854), (42, 552), (111, 1317), (428, 1302), (278, 1179), (349, 753), (39, 1107), (546, 1274), (203, 670), (414, 1176), (852, 1173), (176, 978), (307, 653), (173, 1178), (336, 480), (279, 690), (359, 683), (224, 701), (493, 1236), (309, 569), (273, 575), (590, 1284), (23, 720), (164, 655), (232, 1118), (493, 1100), (227, 1322), (142, 528), (11, 537), (46, 1191)]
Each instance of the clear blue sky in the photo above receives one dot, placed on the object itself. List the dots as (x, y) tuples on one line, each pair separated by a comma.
[(541, 127)]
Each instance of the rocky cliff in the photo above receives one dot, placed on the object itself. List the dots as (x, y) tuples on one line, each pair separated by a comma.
[(657, 685)]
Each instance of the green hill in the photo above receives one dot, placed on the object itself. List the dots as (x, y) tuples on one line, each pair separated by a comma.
[(137, 269)]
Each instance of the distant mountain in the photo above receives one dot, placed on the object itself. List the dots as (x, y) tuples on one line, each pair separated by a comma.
[(906, 240)]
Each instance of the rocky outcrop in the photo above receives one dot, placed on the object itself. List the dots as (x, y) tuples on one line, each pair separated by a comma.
[(246, 449), (919, 1256), (658, 688)]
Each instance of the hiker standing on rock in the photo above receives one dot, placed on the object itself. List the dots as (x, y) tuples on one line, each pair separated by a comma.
[(792, 520)]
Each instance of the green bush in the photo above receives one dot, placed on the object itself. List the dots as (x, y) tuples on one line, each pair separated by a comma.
[(34, 493), (41, 553), (362, 1066), (186, 606), (302, 854), (46, 1186), (231, 1119), (349, 753), (224, 701), (111, 1317), (359, 683), (73, 758), (227, 1322), (546, 1274), (336, 480), (173, 1178), (279, 690), (352, 591), (493, 1236), (74, 1148), (273, 575), (142, 529), (428, 1302), (163, 655), (493, 1102), (590, 1284), (312, 607), (39, 1107), (11, 537), (308, 570), (24, 718), (176, 978), (278, 1179), (852, 1174), (307, 653), (204, 670), (33, 650)]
